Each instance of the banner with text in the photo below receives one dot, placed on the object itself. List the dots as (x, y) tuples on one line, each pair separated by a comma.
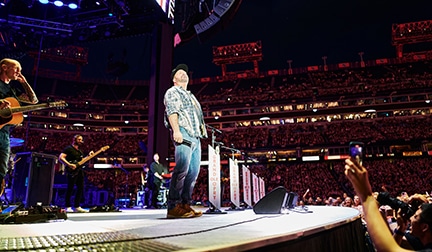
[(247, 197), (214, 176), (262, 188), (234, 182), (255, 188)]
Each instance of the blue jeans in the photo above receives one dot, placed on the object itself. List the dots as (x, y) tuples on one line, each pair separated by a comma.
[(186, 170), (4, 154)]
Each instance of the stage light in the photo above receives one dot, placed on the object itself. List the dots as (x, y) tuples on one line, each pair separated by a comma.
[(58, 3), (73, 5), (43, 1)]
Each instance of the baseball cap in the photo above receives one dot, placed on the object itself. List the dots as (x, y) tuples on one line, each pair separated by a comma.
[(178, 67)]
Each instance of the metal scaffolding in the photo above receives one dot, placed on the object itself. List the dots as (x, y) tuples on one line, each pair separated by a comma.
[(238, 53), (410, 33)]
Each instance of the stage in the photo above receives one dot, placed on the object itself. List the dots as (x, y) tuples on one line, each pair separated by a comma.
[(325, 229)]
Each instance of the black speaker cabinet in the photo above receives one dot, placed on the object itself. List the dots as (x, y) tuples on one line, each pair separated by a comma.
[(276, 200), (33, 178)]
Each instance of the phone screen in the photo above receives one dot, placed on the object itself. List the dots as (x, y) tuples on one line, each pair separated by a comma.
[(356, 151)]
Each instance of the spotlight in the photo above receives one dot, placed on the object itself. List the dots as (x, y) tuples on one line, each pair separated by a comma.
[(73, 6), (58, 3), (43, 1)]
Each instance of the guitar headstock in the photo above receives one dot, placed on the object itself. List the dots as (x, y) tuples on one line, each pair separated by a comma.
[(58, 104)]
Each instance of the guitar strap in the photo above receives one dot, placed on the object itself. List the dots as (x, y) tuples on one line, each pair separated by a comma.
[(81, 154)]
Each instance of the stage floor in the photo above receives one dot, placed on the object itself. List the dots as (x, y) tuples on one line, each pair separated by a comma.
[(149, 230)]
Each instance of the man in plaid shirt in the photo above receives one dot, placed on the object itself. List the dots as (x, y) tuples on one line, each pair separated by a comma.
[(185, 120)]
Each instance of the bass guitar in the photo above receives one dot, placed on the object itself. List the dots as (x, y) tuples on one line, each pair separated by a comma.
[(14, 114), (80, 163)]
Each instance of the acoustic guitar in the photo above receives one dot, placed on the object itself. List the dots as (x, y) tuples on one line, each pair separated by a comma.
[(14, 114), (80, 163)]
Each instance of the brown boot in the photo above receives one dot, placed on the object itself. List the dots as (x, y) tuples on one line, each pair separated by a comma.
[(189, 208), (179, 212)]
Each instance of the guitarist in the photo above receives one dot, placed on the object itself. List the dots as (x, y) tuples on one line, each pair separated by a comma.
[(10, 71), (70, 155)]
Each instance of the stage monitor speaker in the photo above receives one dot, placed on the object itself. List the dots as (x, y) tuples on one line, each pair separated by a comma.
[(272, 202), (276, 200), (33, 178), (291, 201)]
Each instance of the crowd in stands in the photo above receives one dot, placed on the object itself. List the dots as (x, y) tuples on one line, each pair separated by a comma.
[(54, 142), (315, 85), (327, 134), (319, 85)]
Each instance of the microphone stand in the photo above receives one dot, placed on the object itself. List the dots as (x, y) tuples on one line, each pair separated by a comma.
[(213, 137)]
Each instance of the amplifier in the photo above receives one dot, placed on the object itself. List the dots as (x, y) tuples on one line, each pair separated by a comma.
[(33, 178)]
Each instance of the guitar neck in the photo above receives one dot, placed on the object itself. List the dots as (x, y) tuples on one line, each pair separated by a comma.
[(89, 157), (29, 108)]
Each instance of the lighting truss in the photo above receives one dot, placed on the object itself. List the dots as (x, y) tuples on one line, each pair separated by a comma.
[(37, 23), (93, 23)]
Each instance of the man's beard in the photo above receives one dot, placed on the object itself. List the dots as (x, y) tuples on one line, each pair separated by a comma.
[(183, 80)]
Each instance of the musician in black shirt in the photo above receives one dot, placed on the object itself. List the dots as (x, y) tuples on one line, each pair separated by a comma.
[(155, 179), (70, 156)]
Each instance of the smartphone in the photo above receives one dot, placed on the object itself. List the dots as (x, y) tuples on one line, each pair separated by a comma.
[(356, 151)]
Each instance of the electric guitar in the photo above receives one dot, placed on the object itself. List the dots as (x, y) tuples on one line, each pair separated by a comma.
[(79, 164), (14, 114)]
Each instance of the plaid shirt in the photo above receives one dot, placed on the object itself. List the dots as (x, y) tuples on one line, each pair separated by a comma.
[(186, 106)]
